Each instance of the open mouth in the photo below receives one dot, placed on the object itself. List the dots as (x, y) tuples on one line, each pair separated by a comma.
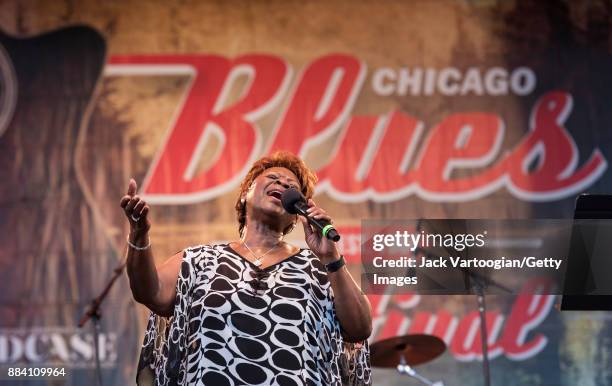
[(276, 194)]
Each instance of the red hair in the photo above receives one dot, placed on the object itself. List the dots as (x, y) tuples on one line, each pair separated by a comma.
[(283, 159)]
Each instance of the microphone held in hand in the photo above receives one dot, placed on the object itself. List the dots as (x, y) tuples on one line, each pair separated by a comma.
[(294, 202)]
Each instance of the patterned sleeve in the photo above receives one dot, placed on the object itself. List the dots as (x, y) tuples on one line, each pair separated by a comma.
[(165, 342), (353, 358), (355, 364)]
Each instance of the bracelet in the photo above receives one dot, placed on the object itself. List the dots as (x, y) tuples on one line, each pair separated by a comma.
[(136, 247), (335, 265)]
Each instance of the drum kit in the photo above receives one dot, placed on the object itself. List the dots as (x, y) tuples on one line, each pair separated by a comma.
[(405, 352)]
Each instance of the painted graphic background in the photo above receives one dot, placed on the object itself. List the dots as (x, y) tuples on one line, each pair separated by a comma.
[(183, 95)]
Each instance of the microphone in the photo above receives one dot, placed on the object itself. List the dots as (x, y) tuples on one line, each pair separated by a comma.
[(294, 202)]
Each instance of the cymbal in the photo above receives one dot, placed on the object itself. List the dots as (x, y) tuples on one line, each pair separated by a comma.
[(416, 349)]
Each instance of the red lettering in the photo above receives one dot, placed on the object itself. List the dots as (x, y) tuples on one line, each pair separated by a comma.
[(514, 338), (467, 342), (389, 172), (528, 311), (553, 177), (339, 176), (321, 103), (376, 157), (469, 140), (173, 176)]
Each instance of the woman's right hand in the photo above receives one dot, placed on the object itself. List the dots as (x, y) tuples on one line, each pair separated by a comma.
[(136, 210)]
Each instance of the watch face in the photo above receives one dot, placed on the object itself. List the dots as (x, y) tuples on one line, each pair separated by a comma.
[(8, 89)]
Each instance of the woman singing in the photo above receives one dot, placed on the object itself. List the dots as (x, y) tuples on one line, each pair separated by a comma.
[(257, 310)]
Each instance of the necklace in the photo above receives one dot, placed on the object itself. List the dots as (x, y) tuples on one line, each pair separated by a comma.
[(259, 260)]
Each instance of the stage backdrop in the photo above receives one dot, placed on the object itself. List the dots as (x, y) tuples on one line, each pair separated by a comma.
[(414, 109)]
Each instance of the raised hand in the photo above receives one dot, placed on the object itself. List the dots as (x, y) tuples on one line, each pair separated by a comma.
[(136, 209), (322, 247)]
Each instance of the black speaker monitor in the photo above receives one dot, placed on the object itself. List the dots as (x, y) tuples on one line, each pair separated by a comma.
[(579, 271)]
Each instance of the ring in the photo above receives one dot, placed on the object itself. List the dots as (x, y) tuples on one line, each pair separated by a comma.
[(134, 218)]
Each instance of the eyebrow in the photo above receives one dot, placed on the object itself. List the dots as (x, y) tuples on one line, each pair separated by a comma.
[(288, 178)]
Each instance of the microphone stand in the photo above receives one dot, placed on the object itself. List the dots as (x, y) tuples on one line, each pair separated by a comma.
[(93, 312), (478, 286), (484, 335), (479, 282), (404, 368)]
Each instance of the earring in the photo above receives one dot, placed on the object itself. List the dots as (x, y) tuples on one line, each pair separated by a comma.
[(242, 201), (292, 226)]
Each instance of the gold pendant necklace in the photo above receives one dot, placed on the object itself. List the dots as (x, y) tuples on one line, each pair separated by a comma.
[(259, 260)]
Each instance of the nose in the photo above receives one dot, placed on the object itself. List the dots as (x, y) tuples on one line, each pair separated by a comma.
[(284, 184)]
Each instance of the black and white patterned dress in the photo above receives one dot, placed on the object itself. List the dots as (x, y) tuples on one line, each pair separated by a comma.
[(236, 324)]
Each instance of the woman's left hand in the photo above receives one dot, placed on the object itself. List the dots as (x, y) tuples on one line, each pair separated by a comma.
[(322, 247)]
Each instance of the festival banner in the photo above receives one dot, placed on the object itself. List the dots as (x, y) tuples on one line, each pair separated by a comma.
[(406, 110)]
